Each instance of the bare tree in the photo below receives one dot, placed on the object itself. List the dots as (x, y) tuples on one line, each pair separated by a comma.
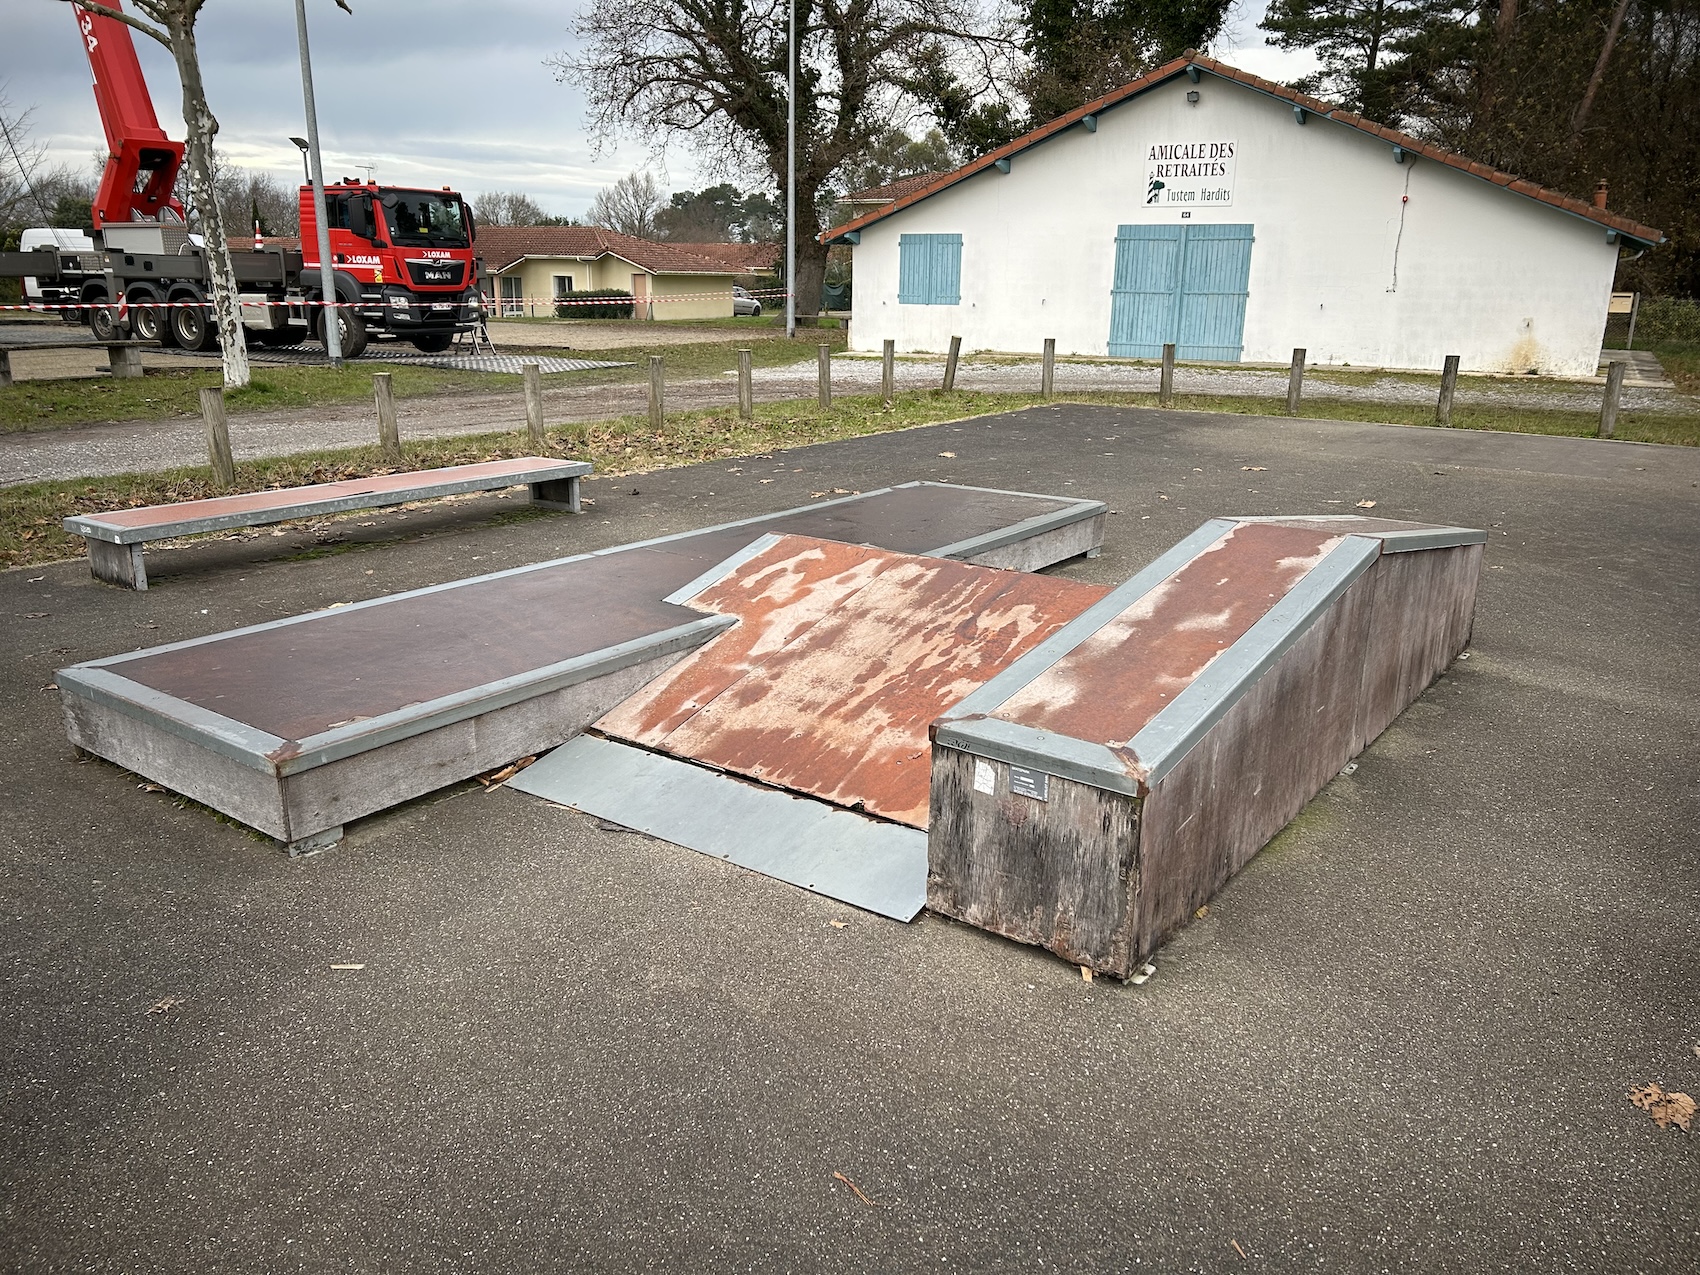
[(628, 206), (507, 208), (715, 75), (172, 23)]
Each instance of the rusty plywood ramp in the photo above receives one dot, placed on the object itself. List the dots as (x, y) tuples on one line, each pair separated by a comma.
[(841, 658)]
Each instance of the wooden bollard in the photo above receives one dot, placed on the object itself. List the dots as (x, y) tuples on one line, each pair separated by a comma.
[(218, 437), (1166, 381), (888, 371), (1448, 383), (533, 405), (950, 363), (389, 435), (1614, 393), (823, 371), (1295, 381), (655, 388), (1048, 373), (746, 389)]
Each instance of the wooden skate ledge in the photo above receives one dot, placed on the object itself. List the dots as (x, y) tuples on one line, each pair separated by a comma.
[(115, 539), (1094, 794)]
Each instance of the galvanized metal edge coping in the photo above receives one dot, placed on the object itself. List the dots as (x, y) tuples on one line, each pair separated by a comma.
[(1163, 741), (212, 731), (258, 749), (988, 697), (403, 723), (1061, 755), (1406, 541), (383, 599), (720, 570), (1027, 528), (90, 525)]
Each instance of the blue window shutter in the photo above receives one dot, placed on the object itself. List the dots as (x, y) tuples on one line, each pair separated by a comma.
[(929, 269), (1211, 321), (1143, 292), (1182, 284)]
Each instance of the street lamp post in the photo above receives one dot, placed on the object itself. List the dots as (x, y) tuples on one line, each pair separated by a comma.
[(306, 173), (327, 275)]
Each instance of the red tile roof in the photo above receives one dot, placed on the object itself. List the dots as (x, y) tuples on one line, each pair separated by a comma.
[(1610, 220), (745, 258), (501, 246), (892, 190)]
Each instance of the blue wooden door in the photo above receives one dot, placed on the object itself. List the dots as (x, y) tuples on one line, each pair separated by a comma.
[(1180, 284)]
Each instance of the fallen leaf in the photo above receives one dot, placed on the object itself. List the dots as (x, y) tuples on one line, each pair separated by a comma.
[(1366, 504), (492, 778), (1237, 1248), (948, 455), (167, 1005), (816, 495), (150, 787), (36, 615), (348, 967), (1254, 469), (764, 480), (1665, 1108), (838, 925), (840, 491), (1085, 973), (1201, 913), (858, 1190)]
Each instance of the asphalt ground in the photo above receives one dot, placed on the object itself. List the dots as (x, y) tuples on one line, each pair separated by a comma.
[(1401, 1040)]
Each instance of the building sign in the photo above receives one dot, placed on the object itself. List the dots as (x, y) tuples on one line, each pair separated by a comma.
[(1189, 175)]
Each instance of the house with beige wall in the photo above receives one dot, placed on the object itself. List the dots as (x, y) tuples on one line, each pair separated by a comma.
[(532, 268)]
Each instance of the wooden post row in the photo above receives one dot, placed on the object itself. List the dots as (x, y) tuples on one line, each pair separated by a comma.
[(1448, 383), (746, 389), (1295, 381), (823, 359), (1614, 393), (1048, 374), (389, 434), (1166, 381), (888, 371), (533, 405), (950, 363), (218, 437), (655, 389)]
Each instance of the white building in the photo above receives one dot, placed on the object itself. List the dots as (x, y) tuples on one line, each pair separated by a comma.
[(1203, 206)]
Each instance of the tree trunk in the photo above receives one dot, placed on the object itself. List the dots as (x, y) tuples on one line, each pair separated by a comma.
[(203, 127), (811, 272), (1579, 120), (1507, 21)]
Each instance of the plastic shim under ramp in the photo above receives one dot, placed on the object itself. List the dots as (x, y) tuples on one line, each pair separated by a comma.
[(297, 726)]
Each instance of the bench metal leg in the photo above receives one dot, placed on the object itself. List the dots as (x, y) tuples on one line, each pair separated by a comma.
[(117, 564), (557, 493), (124, 360)]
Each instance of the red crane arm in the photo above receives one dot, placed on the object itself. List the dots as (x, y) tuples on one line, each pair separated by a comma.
[(142, 162)]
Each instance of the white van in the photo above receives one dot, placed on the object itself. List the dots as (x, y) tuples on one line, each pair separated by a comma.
[(48, 237)]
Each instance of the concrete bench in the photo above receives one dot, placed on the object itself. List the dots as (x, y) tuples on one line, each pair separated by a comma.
[(124, 358), (115, 539)]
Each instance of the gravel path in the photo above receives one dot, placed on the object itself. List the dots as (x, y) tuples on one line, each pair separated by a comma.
[(138, 446)]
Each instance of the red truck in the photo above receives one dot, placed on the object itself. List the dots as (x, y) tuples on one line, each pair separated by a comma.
[(404, 258)]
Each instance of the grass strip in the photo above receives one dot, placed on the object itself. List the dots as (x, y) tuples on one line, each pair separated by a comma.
[(30, 514), (165, 393)]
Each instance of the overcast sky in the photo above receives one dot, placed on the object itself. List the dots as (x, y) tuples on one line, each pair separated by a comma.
[(431, 92)]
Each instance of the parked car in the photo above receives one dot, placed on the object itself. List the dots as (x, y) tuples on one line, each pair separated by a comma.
[(744, 303)]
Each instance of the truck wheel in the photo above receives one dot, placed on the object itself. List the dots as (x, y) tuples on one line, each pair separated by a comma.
[(149, 323), (351, 328), (192, 328), (433, 342), (103, 323)]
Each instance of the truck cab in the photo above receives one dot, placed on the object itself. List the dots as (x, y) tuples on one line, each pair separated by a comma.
[(404, 263)]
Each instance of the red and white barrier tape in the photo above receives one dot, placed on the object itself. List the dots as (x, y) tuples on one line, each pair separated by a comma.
[(491, 304)]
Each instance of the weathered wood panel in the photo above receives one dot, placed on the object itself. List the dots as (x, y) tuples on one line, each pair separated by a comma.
[(1059, 873), (210, 778), (1254, 769), (1424, 605)]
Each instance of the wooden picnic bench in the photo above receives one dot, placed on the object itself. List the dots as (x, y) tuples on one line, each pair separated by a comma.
[(123, 358), (115, 539)]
